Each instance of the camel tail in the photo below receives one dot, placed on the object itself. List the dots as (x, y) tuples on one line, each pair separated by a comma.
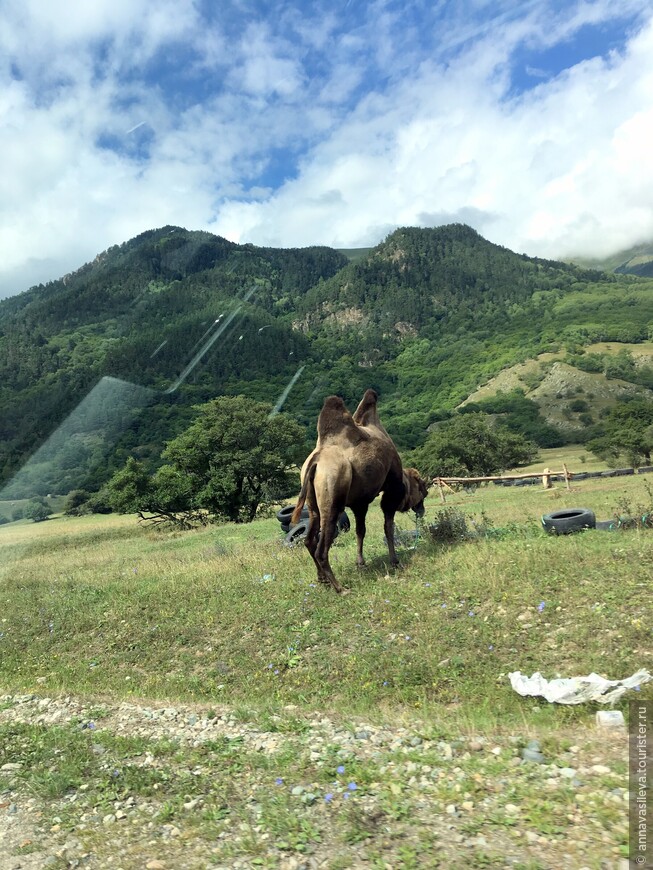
[(308, 482)]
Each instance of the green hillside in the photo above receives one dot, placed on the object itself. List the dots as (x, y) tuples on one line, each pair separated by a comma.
[(173, 318), (637, 260)]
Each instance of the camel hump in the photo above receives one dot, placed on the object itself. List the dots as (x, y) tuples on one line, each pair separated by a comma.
[(366, 414), (335, 424)]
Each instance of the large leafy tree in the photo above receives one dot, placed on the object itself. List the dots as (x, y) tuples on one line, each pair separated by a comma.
[(628, 433), (234, 459), (467, 445)]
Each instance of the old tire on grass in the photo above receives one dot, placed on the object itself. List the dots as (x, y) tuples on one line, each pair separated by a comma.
[(344, 524), (565, 522), (286, 512), (296, 534)]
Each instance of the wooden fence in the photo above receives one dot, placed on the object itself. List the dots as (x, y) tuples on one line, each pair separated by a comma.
[(546, 475)]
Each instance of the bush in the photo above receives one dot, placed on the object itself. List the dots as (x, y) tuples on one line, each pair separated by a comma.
[(450, 526), (99, 503), (37, 510), (75, 503)]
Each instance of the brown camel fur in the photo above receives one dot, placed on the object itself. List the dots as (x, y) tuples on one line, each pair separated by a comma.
[(354, 460)]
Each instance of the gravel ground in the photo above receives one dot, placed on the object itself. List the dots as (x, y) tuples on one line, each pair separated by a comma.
[(425, 802)]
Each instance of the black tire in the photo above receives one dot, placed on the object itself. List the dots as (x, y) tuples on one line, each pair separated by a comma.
[(567, 521), (344, 525), (644, 469), (285, 528), (296, 534), (285, 513)]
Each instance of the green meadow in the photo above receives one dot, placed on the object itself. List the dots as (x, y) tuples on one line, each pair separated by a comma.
[(229, 626), (228, 614)]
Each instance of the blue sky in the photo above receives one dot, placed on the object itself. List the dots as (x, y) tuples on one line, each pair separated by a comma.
[(301, 123)]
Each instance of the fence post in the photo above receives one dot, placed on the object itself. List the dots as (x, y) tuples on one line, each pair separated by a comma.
[(546, 479), (441, 488), (564, 468)]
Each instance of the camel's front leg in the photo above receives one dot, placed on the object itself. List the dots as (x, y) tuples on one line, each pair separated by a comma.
[(389, 529), (360, 513)]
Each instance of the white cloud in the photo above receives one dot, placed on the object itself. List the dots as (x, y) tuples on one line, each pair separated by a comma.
[(565, 168), (119, 116)]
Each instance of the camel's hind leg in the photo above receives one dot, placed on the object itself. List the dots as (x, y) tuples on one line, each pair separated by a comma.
[(327, 534), (312, 539)]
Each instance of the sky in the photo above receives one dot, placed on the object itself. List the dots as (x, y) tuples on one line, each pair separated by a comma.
[(300, 123)]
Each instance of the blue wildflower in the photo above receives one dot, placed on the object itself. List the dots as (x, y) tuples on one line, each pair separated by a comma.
[(541, 606), (352, 786), (328, 797), (279, 781), (340, 768)]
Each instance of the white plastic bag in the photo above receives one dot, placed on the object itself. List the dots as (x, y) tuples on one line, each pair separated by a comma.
[(576, 690)]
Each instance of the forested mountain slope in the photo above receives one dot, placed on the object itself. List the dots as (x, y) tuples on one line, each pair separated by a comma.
[(425, 317)]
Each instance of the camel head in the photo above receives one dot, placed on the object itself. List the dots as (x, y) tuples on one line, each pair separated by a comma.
[(416, 491)]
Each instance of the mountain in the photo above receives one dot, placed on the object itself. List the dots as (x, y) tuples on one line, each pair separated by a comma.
[(173, 318), (637, 260)]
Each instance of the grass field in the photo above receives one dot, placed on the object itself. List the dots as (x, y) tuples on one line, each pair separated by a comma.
[(228, 614), (232, 623)]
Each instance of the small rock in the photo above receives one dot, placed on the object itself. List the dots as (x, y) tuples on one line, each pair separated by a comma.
[(155, 865), (567, 772), (600, 768), (362, 735), (11, 765), (610, 719), (475, 746), (513, 809), (190, 805), (297, 790), (109, 819), (531, 752), (451, 809), (416, 741)]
